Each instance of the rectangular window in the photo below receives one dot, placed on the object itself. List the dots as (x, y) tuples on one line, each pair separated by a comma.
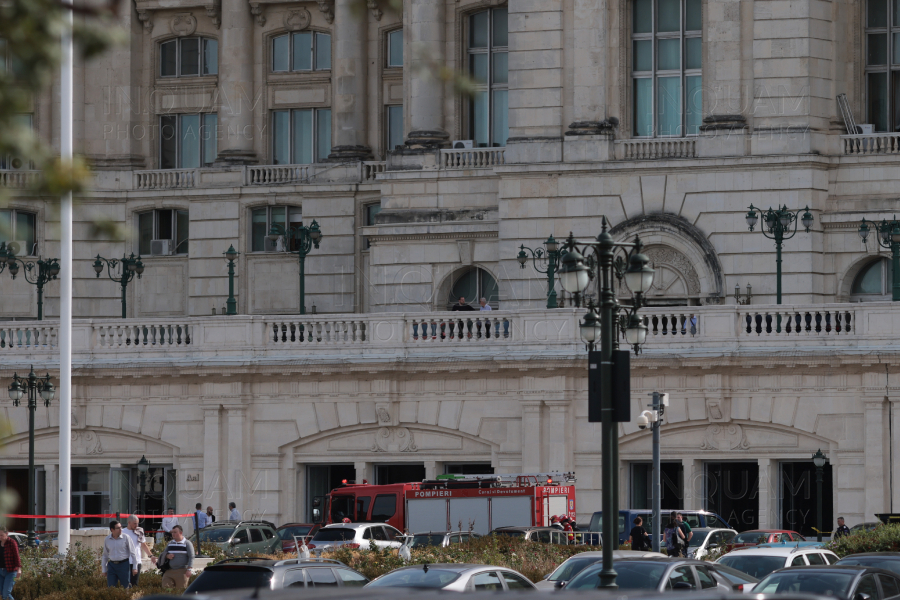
[(261, 222), (371, 211), (301, 136), (187, 141), (666, 62), (20, 227), (394, 126), (395, 48), (189, 57), (301, 51), (489, 70), (882, 52), (15, 163), (163, 224)]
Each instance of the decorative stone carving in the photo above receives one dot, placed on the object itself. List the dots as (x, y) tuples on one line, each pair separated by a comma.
[(145, 18), (183, 24), (214, 13), (671, 267), (373, 6), (724, 437), (383, 412), (326, 7), (297, 20), (394, 439), (718, 410), (86, 443), (258, 10)]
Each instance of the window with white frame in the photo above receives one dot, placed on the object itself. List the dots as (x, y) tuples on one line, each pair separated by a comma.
[(187, 141), (666, 58), (163, 232), (301, 51), (21, 227), (873, 282), (488, 68), (261, 221), (394, 52), (301, 136), (189, 57), (10, 162), (394, 128), (882, 30)]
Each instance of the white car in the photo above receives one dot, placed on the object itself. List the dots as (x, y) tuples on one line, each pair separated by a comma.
[(354, 535), (455, 578), (759, 562), (704, 540), (575, 564)]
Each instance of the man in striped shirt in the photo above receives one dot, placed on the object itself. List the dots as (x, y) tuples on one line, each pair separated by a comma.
[(177, 560)]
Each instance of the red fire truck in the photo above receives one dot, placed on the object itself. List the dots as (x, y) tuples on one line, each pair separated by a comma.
[(473, 502)]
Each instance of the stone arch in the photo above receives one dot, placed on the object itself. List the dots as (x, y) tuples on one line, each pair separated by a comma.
[(441, 299), (681, 249), (99, 443), (845, 283)]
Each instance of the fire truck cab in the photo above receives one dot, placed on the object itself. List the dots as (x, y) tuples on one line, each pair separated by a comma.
[(478, 503)]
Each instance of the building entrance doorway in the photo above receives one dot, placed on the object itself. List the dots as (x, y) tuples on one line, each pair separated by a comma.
[(798, 498), (671, 486), (321, 479), (402, 473), (732, 492)]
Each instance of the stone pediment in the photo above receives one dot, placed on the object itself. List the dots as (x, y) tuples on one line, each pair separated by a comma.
[(723, 437), (93, 443), (395, 440)]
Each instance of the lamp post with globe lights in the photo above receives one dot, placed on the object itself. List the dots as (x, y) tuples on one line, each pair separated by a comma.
[(819, 459), (306, 238), (888, 237), (143, 467), (131, 266), (37, 273), (552, 256), (776, 226), (231, 304)]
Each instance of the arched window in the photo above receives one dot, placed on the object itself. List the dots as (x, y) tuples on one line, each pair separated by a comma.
[(873, 282), (474, 284)]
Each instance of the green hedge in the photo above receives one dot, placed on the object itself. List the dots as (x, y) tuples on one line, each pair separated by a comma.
[(885, 538)]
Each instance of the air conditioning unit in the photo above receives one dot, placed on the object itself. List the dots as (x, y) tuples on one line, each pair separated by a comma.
[(19, 248), (463, 144), (160, 247), (865, 128)]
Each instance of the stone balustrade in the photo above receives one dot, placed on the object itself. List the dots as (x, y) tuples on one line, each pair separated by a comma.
[(368, 169), (646, 149), (18, 179), (165, 179), (871, 143), (472, 158), (277, 174)]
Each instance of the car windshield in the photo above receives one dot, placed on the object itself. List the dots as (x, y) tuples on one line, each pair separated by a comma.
[(227, 577), (750, 537), (630, 576), (802, 581), (288, 533), (733, 575), (509, 533), (416, 578), (758, 566), (889, 563), (334, 534), (572, 567), (216, 534), (698, 538), (427, 539)]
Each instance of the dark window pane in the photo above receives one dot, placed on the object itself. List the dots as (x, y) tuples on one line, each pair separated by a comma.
[(190, 56), (6, 232), (164, 224), (896, 58), (384, 507), (145, 232), (395, 48), (190, 142), (693, 49), (668, 106), (501, 28), (303, 51), (281, 137), (643, 55), (25, 233), (168, 142), (642, 17), (668, 55), (323, 51), (693, 21), (876, 13), (323, 133), (876, 50), (395, 126), (869, 281), (895, 81), (209, 133), (259, 229), (210, 57), (479, 117), (694, 104), (478, 67), (478, 30), (281, 53), (303, 137), (877, 101), (668, 15), (256, 536), (896, 13), (500, 118), (167, 59), (500, 68), (643, 107), (371, 211), (182, 226)]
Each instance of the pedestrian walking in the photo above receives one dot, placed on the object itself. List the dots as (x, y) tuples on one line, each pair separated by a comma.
[(674, 537), (235, 514), (10, 564), (686, 532), (639, 538), (841, 530), (168, 522), (137, 537), (210, 517), (200, 518), (119, 553), (177, 560)]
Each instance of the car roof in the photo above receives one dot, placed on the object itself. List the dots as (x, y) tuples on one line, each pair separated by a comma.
[(296, 525), (779, 550), (771, 531), (873, 554), (353, 525), (838, 568), (274, 563), (525, 528), (455, 567)]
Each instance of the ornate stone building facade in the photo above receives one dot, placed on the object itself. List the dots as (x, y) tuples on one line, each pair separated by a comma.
[(222, 118)]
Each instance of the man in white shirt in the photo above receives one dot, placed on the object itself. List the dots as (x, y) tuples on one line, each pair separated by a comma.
[(485, 305), (168, 523), (119, 553), (235, 514), (137, 537)]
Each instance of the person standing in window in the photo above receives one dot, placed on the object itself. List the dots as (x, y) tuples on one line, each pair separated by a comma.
[(484, 304), (462, 305)]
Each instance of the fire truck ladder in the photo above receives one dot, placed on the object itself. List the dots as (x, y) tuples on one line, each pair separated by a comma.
[(520, 479)]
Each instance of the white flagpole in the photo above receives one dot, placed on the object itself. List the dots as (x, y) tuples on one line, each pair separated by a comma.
[(65, 289)]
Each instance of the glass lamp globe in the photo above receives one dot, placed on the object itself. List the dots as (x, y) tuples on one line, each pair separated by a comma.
[(574, 275)]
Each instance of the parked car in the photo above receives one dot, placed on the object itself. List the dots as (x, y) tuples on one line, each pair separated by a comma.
[(287, 532), (242, 537), (441, 539), (354, 535), (706, 540), (889, 561), (694, 518), (575, 564), (867, 526), (455, 578), (847, 582), (544, 535), (759, 562), (657, 575), (275, 574), (740, 581), (755, 537), (20, 538)]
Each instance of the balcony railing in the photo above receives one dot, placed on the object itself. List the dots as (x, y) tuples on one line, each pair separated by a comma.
[(369, 169), (656, 148), (18, 179), (165, 179), (871, 143), (472, 158), (277, 174)]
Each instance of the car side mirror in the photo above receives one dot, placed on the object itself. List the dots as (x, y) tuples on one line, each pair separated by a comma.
[(317, 502), (684, 585), (560, 584), (862, 596)]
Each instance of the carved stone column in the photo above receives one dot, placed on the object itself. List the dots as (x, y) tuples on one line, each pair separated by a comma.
[(531, 437), (236, 94), (424, 49), (559, 434), (589, 66), (349, 72), (211, 463), (236, 453), (876, 425)]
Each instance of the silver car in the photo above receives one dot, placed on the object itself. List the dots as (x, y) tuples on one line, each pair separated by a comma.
[(455, 578), (440, 539), (575, 564)]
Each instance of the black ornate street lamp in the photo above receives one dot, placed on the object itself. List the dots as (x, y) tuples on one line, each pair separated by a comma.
[(552, 256), (603, 326), (32, 385), (777, 224), (143, 467), (231, 304), (307, 238), (131, 266), (37, 272), (888, 237), (819, 459)]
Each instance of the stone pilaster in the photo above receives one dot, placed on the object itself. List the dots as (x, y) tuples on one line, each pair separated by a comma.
[(692, 478), (768, 494), (895, 451), (211, 483), (531, 437), (349, 79), (558, 436), (236, 93), (876, 423), (589, 68), (423, 49), (236, 415), (364, 471)]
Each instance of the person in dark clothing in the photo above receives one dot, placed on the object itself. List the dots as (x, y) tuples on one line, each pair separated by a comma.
[(842, 529), (640, 539), (462, 305)]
